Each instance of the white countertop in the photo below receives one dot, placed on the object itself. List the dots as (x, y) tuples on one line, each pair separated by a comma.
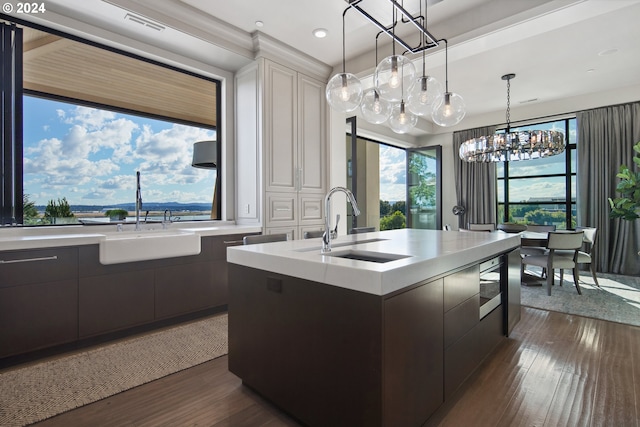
[(429, 254), (14, 238)]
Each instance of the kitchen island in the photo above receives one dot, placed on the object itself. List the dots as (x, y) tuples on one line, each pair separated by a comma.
[(378, 332)]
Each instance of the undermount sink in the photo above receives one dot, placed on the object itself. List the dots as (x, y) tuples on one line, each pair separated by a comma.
[(122, 247), (341, 244), (369, 256)]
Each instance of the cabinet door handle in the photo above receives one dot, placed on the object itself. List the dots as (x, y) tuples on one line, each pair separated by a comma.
[(13, 261)]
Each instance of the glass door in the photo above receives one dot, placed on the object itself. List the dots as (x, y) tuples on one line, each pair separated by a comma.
[(424, 188)]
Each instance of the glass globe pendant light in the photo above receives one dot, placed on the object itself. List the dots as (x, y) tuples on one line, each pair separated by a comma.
[(451, 109), (425, 94), (402, 120), (344, 90), (374, 109), (392, 74)]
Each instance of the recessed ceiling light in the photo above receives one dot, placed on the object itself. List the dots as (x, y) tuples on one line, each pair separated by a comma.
[(259, 24), (608, 52), (320, 33)]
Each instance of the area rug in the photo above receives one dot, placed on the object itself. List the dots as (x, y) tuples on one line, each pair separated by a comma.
[(617, 300), (33, 393)]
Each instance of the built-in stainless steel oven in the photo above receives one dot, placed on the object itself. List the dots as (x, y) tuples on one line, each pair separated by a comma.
[(490, 285)]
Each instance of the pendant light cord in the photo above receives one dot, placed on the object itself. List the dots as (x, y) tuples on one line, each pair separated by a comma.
[(446, 66), (344, 67), (508, 105)]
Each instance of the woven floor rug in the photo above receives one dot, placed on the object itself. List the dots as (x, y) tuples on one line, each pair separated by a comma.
[(617, 300), (39, 391)]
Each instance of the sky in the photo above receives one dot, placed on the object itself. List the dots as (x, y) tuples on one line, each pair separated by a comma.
[(91, 156), (393, 168)]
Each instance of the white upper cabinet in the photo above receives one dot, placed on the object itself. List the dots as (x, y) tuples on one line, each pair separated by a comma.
[(295, 131)]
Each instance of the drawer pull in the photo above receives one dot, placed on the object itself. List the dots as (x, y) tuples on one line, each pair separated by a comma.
[(232, 242), (282, 209), (13, 261)]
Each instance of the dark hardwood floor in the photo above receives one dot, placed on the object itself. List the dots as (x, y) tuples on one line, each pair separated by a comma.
[(554, 370)]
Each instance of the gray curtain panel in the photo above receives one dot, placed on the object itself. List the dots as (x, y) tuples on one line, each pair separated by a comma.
[(605, 140), (476, 182)]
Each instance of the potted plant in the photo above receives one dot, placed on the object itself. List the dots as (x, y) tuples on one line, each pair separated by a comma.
[(116, 214), (627, 206)]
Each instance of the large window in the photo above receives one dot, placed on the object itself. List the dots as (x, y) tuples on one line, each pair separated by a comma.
[(541, 191), (89, 118)]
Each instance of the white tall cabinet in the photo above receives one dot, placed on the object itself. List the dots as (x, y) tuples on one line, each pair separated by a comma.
[(291, 148)]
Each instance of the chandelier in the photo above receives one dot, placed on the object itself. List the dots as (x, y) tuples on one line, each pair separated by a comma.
[(512, 146), (398, 96)]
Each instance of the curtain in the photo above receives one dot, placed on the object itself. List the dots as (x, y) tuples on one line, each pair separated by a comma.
[(605, 140), (476, 182)]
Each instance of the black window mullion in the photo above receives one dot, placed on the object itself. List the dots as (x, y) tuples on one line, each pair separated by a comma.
[(568, 203), (11, 124), (18, 128)]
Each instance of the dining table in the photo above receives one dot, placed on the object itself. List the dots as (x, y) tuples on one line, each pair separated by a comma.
[(534, 238)]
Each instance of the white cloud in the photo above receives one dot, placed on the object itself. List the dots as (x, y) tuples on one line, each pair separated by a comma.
[(392, 174), (99, 144)]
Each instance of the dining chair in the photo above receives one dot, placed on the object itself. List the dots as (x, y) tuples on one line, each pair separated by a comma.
[(587, 255), (313, 234), (570, 243), (540, 227), (482, 227), (536, 250), (264, 238)]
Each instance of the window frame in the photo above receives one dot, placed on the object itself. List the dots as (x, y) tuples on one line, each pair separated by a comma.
[(14, 171), (570, 201)]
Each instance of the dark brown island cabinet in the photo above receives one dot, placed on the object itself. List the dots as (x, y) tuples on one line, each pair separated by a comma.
[(63, 295), (331, 356)]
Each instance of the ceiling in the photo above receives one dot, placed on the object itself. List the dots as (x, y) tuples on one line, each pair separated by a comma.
[(558, 49)]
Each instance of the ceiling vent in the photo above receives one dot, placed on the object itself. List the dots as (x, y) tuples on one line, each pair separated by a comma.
[(139, 20)]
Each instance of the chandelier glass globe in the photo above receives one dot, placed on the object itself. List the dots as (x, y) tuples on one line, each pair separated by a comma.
[(425, 94), (402, 120), (374, 109), (393, 77), (344, 92), (450, 110)]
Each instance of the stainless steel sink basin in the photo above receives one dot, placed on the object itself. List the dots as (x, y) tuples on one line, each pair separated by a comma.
[(368, 256), (341, 244)]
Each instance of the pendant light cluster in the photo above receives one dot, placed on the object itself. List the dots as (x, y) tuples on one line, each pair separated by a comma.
[(512, 146), (398, 96)]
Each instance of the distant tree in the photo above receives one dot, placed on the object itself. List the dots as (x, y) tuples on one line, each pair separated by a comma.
[(400, 206), (59, 209), (394, 221), (422, 190), (519, 211), (541, 216), (29, 212), (385, 208)]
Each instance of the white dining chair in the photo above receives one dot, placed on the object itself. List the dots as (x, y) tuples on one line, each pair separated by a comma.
[(587, 255), (570, 243), (536, 250), (482, 227)]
